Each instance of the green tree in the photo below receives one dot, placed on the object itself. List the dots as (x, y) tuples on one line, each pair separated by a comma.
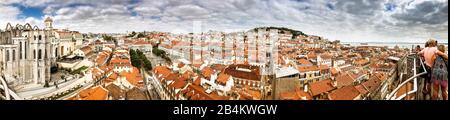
[(147, 64), (132, 34), (140, 35), (108, 38)]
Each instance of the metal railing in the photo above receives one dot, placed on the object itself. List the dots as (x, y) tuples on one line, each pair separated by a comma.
[(390, 96), (8, 92)]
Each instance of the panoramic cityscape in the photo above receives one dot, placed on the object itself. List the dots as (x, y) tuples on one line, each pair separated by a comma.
[(224, 50)]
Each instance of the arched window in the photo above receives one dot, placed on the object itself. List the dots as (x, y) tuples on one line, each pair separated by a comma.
[(20, 50), (40, 54), (35, 37), (25, 50), (14, 55), (40, 37), (34, 54), (7, 55)]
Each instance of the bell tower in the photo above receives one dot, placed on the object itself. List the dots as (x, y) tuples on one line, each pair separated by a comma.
[(48, 23)]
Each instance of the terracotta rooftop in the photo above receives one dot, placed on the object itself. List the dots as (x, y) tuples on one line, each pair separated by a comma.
[(223, 78), (334, 71), (344, 93), (197, 81), (135, 94), (218, 67), (311, 55), (320, 87), (178, 84), (187, 75), (244, 72), (372, 84), (111, 78), (207, 72), (93, 93), (133, 77), (357, 74), (247, 94), (141, 42), (361, 89), (307, 68), (194, 92), (86, 49), (326, 56), (115, 91), (361, 62), (162, 70), (323, 67), (344, 80), (304, 62), (295, 95)]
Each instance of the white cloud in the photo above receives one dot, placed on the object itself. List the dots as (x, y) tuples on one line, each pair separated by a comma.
[(349, 20)]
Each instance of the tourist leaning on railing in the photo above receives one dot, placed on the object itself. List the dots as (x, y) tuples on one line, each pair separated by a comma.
[(429, 54)]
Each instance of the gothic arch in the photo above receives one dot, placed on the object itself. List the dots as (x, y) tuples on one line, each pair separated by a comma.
[(19, 27), (28, 27), (35, 27), (8, 27)]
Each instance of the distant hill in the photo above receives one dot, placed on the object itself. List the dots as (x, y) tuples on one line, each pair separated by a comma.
[(295, 33)]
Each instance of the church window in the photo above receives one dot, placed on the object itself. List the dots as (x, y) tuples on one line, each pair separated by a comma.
[(40, 54), (7, 55)]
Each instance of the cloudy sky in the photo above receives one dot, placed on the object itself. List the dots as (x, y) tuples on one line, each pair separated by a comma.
[(345, 20)]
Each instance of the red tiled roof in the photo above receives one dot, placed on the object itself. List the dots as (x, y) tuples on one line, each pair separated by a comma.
[(320, 87), (86, 49), (250, 94), (162, 70), (304, 62), (172, 76), (326, 56), (111, 78), (133, 77), (178, 84), (334, 71), (307, 68), (235, 72), (311, 55), (323, 67), (344, 80), (372, 84), (93, 93), (344, 93), (223, 78), (295, 95), (361, 89), (197, 81), (187, 74), (207, 72), (218, 67), (361, 62), (198, 93), (141, 42)]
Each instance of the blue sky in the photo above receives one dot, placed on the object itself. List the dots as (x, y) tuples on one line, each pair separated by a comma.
[(345, 20)]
